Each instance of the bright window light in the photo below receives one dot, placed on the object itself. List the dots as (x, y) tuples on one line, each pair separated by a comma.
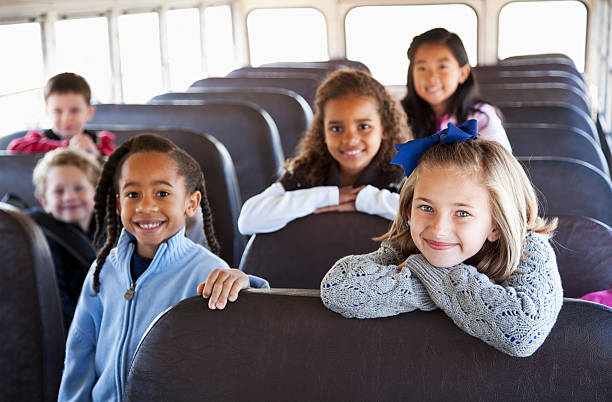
[(219, 41), (82, 47), (184, 47), (544, 27), (379, 36), (140, 57), (287, 34)]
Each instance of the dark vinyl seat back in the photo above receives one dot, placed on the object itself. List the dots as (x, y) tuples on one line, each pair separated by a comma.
[(247, 131), (548, 140), (530, 77), (543, 58), (570, 187), (219, 175), (584, 255), (547, 67), (319, 72), (16, 176), (299, 255), (290, 111), (554, 113), (305, 86), (280, 345), (545, 92), (335, 63), (32, 333)]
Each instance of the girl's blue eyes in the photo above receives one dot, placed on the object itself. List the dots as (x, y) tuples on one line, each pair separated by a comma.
[(461, 214)]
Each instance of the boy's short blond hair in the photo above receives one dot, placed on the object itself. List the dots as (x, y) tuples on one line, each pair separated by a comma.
[(83, 161), (68, 82)]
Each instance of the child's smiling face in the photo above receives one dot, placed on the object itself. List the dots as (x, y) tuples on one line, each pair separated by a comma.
[(436, 74), (69, 195), (450, 216), (69, 112), (353, 133), (152, 200)]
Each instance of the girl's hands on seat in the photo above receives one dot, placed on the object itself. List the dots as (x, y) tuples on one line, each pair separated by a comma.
[(347, 197), (223, 285)]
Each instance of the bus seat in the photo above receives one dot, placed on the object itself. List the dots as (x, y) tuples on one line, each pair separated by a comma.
[(279, 345), (545, 92), (318, 72), (584, 255), (32, 333), (546, 67), (305, 86), (247, 131), (290, 111), (543, 58), (570, 187), (221, 183), (530, 77), (299, 255), (335, 63), (537, 139), (557, 113), (16, 176)]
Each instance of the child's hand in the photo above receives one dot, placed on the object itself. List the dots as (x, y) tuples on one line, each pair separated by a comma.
[(223, 285), (347, 197), (84, 143), (403, 264)]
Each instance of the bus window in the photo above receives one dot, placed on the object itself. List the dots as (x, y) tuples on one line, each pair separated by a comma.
[(379, 36), (81, 47), (140, 56), (543, 27), (287, 34), (22, 76), (218, 41), (184, 51)]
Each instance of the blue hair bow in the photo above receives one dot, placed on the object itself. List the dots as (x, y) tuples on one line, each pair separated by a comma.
[(409, 153)]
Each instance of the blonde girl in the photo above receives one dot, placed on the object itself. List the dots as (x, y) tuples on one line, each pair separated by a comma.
[(467, 239)]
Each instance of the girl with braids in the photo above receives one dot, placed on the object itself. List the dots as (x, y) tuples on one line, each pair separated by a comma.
[(442, 89), (342, 162), (147, 189)]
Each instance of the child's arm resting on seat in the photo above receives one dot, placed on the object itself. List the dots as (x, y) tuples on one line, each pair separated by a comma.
[(225, 284), (274, 208), (371, 285), (514, 317), (374, 201)]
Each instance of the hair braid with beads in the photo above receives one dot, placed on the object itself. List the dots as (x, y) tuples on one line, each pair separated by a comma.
[(107, 218)]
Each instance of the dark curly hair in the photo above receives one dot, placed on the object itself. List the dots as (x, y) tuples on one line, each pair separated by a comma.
[(106, 192), (421, 117), (313, 160)]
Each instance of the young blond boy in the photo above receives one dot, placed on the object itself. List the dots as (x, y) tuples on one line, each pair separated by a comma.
[(68, 97)]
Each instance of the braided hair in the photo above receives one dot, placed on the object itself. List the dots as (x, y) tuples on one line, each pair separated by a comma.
[(106, 216)]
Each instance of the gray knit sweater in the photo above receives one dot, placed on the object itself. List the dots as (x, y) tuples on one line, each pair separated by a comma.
[(514, 317)]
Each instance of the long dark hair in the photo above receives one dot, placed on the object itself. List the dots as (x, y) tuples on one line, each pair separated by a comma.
[(421, 117), (107, 219), (310, 166)]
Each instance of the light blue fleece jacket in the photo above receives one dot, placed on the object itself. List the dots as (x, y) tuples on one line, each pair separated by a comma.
[(107, 327)]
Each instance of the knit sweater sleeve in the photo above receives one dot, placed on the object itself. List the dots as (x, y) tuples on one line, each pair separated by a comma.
[(514, 317), (370, 285), (34, 142)]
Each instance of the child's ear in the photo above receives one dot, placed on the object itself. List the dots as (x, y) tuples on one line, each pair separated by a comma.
[(92, 110), (464, 73), (43, 203), (493, 235), (193, 201)]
